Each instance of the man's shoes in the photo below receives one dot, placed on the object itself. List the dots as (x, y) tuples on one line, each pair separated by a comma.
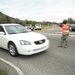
[(65, 46), (60, 46)]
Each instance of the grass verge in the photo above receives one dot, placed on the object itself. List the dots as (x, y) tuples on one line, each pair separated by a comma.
[(2, 72)]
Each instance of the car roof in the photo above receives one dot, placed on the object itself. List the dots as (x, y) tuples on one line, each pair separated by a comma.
[(9, 24), (72, 24)]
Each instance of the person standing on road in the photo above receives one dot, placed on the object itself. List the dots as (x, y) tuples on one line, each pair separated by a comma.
[(65, 34)]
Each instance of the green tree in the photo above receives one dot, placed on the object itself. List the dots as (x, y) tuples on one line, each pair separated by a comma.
[(70, 20)]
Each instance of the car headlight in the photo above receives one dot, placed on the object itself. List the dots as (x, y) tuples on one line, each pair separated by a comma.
[(23, 42)]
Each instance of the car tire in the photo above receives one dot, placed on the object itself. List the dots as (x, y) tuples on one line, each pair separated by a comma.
[(12, 50)]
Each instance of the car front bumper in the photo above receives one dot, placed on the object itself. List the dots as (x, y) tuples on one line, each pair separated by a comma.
[(33, 49)]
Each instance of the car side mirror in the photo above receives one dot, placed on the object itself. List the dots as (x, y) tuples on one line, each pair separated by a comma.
[(2, 33)]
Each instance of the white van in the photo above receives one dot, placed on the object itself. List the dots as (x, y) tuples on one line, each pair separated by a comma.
[(38, 27)]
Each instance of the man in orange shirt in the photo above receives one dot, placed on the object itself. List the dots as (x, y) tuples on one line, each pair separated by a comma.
[(65, 34)]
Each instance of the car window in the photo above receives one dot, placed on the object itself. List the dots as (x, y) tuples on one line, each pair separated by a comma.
[(15, 29), (38, 25)]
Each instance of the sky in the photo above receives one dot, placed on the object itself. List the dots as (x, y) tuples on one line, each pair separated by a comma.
[(39, 10)]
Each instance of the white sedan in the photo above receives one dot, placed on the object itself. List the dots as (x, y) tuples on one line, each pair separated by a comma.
[(18, 40)]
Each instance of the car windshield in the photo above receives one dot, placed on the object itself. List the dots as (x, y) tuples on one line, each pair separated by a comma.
[(16, 29), (38, 25)]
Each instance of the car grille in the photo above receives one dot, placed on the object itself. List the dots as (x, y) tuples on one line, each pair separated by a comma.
[(39, 42)]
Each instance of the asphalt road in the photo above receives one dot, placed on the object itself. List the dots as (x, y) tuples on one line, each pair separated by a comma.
[(54, 61)]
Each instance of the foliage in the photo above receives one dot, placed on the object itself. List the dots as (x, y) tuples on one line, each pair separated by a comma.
[(7, 19), (71, 20)]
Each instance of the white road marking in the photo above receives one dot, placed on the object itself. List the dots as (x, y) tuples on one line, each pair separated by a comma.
[(12, 65), (57, 34)]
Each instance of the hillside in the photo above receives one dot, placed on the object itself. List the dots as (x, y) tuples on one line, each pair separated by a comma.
[(7, 19)]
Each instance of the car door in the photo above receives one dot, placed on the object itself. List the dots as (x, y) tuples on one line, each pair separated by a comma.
[(2, 38)]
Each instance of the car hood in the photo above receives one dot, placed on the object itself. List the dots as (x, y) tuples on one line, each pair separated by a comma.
[(29, 36)]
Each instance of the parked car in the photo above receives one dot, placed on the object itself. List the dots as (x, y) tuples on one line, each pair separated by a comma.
[(29, 26), (72, 27), (19, 40), (38, 27)]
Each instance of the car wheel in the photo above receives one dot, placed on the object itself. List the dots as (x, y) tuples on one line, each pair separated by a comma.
[(12, 50)]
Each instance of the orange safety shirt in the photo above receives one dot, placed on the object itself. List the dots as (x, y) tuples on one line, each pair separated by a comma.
[(65, 28)]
